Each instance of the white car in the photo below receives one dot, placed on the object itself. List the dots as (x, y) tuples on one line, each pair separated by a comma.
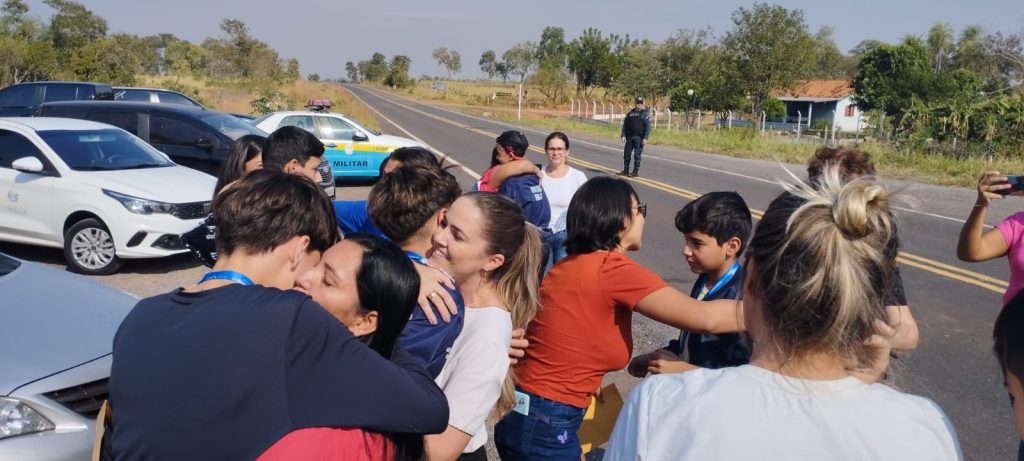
[(97, 191), (353, 150)]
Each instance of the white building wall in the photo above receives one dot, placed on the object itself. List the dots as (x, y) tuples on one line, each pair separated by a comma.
[(848, 123)]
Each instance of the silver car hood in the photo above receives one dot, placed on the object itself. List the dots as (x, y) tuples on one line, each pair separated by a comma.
[(53, 321)]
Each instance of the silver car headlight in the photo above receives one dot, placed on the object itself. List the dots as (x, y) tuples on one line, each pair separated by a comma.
[(17, 418), (140, 205)]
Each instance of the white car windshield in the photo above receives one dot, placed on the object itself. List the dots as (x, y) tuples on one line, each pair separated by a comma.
[(231, 126), (95, 150)]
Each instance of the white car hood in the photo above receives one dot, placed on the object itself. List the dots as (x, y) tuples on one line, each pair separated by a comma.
[(174, 184), (396, 141)]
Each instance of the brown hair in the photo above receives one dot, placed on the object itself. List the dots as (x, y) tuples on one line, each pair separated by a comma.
[(851, 162), (820, 262), (401, 202), (268, 207), (518, 279)]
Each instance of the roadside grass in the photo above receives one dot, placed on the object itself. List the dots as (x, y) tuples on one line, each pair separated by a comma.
[(903, 164), (479, 93), (236, 95)]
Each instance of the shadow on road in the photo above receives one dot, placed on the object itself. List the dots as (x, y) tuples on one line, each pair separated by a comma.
[(55, 257)]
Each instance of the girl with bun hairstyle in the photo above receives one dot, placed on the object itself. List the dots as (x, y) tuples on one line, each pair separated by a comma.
[(818, 267)]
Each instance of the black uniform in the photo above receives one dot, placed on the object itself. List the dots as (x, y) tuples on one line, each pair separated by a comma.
[(636, 127)]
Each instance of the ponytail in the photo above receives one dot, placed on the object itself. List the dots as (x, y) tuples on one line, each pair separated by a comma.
[(519, 288)]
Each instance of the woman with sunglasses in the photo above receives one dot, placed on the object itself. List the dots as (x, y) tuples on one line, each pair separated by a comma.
[(583, 329)]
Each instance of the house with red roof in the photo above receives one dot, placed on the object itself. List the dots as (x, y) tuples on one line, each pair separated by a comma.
[(815, 100)]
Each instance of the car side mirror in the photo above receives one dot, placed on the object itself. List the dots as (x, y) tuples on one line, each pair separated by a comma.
[(360, 137), (206, 143), (28, 165)]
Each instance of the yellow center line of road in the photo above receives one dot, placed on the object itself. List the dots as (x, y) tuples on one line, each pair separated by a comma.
[(920, 262)]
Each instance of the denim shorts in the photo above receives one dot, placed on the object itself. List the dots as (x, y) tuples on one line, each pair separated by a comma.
[(548, 432)]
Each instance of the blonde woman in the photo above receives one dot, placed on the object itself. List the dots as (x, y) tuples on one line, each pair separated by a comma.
[(817, 268), (494, 256)]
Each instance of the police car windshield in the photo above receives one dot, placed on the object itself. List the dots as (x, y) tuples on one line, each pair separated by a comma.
[(231, 126)]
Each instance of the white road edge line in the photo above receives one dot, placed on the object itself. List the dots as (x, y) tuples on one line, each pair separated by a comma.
[(578, 141), (444, 156)]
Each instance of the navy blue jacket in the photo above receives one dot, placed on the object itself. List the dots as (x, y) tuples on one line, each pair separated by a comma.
[(225, 373), (715, 350), (352, 217), (430, 344), (526, 191), (631, 126)]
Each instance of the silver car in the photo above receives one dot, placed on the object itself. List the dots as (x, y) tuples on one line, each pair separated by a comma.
[(58, 330)]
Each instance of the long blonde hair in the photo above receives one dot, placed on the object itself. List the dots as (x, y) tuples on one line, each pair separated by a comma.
[(518, 279), (822, 259)]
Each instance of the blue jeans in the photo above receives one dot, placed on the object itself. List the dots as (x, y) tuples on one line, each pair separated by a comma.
[(548, 432), (556, 245)]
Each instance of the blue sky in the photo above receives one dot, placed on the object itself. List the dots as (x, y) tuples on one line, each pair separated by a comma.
[(324, 34)]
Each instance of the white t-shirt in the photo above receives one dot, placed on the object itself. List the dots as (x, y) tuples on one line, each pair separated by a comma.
[(749, 413), (471, 378), (560, 192)]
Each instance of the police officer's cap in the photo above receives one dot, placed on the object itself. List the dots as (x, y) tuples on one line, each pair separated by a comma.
[(639, 99)]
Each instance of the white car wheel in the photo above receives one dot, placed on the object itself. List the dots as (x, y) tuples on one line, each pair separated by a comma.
[(89, 248)]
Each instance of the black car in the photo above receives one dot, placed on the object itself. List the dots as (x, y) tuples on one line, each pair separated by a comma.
[(191, 136), (162, 96), (23, 99)]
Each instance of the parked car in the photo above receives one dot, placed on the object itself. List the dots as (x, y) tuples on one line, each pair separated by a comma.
[(23, 99), (58, 332), (195, 137), (96, 191), (157, 95), (353, 150)]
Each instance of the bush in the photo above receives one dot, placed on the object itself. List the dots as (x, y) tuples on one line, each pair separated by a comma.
[(268, 101)]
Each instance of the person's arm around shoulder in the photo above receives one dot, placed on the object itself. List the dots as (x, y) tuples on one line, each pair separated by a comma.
[(975, 246), (510, 169), (672, 307), (333, 379)]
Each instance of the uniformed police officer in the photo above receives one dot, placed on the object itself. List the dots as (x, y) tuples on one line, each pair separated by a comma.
[(636, 128)]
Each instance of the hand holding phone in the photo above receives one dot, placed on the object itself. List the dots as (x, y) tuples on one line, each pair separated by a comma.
[(1016, 183)]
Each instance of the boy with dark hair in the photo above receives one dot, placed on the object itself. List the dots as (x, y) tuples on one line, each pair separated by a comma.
[(1009, 350), (293, 150), (715, 227), (408, 205), (226, 368)]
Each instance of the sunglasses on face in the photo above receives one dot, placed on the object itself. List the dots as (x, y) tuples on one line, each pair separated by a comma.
[(641, 209)]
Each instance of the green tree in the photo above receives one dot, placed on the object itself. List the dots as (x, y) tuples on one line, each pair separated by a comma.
[(313, 77), (23, 60), (489, 64), (890, 77), (829, 63), (184, 58), (73, 26), (108, 60), (686, 56), (552, 47), (640, 72), (374, 70), (551, 80), (520, 59), (292, 72), (940, 44), (352, 72), (770, 48), (591, 61), (449, 59), (398, 72)]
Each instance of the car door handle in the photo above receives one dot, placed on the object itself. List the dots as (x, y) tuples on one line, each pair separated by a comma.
[(332, 146)]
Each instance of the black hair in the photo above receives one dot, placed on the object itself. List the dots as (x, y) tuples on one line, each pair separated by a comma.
[(267, 208), (1009, 337), (601, 208), (722, 215), (290, 143), (559, 135), (244, 149), (414, 155), (514, 139), (388, 284), (494, 157)]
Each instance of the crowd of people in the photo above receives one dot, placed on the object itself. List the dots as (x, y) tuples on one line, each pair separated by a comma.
[(404, 325)]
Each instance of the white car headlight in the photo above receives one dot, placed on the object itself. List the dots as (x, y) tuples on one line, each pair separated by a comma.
[(140, 205), (17, 418)]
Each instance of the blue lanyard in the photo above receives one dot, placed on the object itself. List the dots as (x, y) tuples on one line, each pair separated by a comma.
[(233, 276), (702, 280), (417, 257)]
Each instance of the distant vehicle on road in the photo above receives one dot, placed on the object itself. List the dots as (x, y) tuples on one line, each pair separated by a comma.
[(195, 137), (58, 331), (23, 99), (156, 95), (353, 150), (96, 191)]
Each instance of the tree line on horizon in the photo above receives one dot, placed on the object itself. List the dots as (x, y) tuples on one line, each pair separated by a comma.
[(938, 87)]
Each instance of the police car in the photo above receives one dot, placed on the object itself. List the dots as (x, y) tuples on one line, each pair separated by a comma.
[(353, 150)]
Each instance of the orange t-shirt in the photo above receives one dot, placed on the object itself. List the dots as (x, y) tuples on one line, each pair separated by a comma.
[(584, 327)]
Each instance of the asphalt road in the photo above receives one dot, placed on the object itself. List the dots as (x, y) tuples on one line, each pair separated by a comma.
[(955, 304)]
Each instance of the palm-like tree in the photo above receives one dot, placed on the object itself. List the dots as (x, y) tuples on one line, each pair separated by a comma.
[(940, 43)]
